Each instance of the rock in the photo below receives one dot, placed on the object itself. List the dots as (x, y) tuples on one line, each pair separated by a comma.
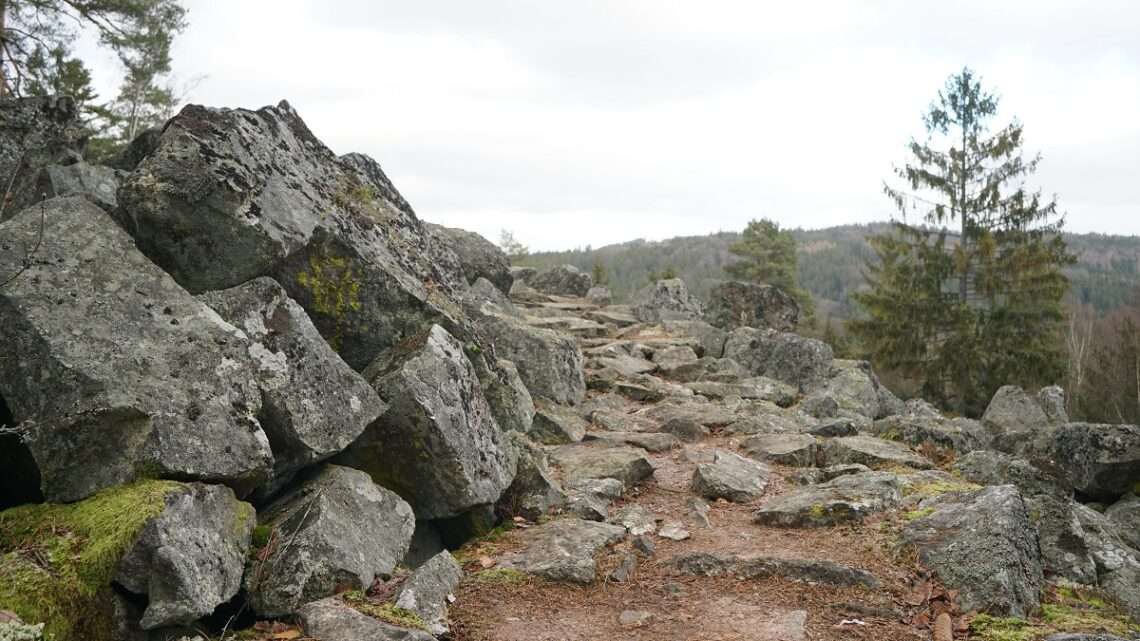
[(674, 531), (772, 421), (1066, 547), (685, 429), (640, 393), (666, 300), (674, 354), (635, 519), (730, 476), (624, 571), (189, 560), (523, 274), (644, 545), (1125, 514), (959, 434), (986, 467), (523, 293), (820, 406), (626, 365), (35, 133), (872, 452), (652, 442), (534, 492), (1101, 461), (313, 405), (697, 410), (983, 545), (709, 337), (796, 450), (482, 298), (634, 618), (564, 549), (549, 363), (427, 589), (889, 404), (426, 543), (761, 567), (599, 295), (816, 475), (737, 304), (590, 499), (437, 444), (1016, 421), (98, 183), (614, 319), (698, 510), (563, 280), (1052, 402), (849, 498), (854, 389), (142, 146), (833, 429), (337, 529), (571, 325), (331, 620), (758, 388), (478, 257), (114, 370), (557, 425), (619, 421), (506, 394), (586, 461), (785, 357)]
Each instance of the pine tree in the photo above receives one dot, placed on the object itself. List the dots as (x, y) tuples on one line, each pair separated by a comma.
[(58, 73), (511, 246), (968, 311), (769, 256)]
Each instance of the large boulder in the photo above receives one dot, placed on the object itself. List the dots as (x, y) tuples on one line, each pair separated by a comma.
[(98, 183), (666, 300), (959, 434), (427, 589), (336, 530), (853, 387), (503, 387), (115, 371), (534, 492), (565, 549), (847, 498), (313, 404), (548, 362), (189, 559), (36, 133), (582, 461), (873, 452), (730, 476), (563, 280), (1101, 461), (983, 545), (737, 304), (1017, 421), (437, 444), (1125, 514), (230, 194), (786, 357), (332, 620), (478, 257), (986, 467)]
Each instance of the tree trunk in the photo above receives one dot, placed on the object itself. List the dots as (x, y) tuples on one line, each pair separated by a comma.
[(3, 46)]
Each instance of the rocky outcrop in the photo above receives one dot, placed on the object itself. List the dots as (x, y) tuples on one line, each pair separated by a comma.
[(548, 362), (666, 300), (730, 476), (736, 304), (115, 371), (478, 257), (1017, 421), (437, 444), (565, 549), (959, 434), (313, 405), (264, 197), (983, 545), (36, 133), (1100, 461), (796, 450), (564, 280), (848, 498), (873, 452), (996, 468), (785, 357), (337, 530)]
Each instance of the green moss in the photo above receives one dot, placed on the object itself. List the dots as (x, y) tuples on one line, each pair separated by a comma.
[(936, 488), (261, 536), (918, 514), (1068, 609), (334, 287), (58, 560), (817, 511), (500, 576), (990, 628), (385, 612)]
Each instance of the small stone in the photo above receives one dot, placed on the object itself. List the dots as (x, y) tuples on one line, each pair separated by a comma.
[(636, 519), (699, 511), (673, 531), (644, 544), (624, 570), (635, 618)]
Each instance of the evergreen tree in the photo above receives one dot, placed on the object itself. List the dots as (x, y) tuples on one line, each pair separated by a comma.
[(56, 72), (511, 246), (967, 312), (769, 256), (601, 277)]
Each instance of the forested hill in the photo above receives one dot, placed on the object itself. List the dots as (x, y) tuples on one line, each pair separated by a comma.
[(831, 264)]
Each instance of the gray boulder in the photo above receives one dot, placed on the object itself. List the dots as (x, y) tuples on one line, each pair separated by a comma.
[(437, 444), (853, 387), (591, 499), (34, 134), (189, 560), (534, 492), (848, 498), (986, 467), (478, 257), (138, 149), (735, 304), (666, 300), (709, 337), (755, 388), (549, 363), (652, 441), (872, 452), (730, 476), (337, 529), (313, 405), (763, 567), (959, 434), (98, 183), (1052, 402), (503, 387), (983, 545), (1125, 514), (1100, 461), (565, 549), (264, 197), (599, 295), (563, 280), (582, 461), (557, 425), (115, 371), (1017, 421), (331, 620), (796, 450), (783, 356), (427, 589)]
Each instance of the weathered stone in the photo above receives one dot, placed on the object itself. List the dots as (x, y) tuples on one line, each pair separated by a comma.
[(730, 476), (557, 425), (872, 452), (697, 510), (983, 545), (1017, 422), (331, 620), (114, 370), (336, 529), (835, 428), (735, 304), (1125, 514), (1052, 402), (1066, 547), (478, 257), (437, 444), (427, 589), (785, 357), (591, 499), (635, 519), (853, 388), (698, 410), (599, 295), (816, 475), (640, 393), (35, 133), (674, 531), (313, 405), (482, 297), (820, 406), (534, 492), (189, 559), (97, 183), (564, 549), (549, 363), (626, 365), (762, 567), (142, 146), (503, 387), (959, 434), (264, 197), (710, 338), (757, 388), (685, 429), (889, 404), (563, 280), (849, 498), (666, 300), (587, 461), (996, 468), (1101, 461), (674, 354), (772, 421), (571, 325), (624, 571), (652, 442), (796, 450)]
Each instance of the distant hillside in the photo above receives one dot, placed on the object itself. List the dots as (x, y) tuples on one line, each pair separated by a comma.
[(831, 264)]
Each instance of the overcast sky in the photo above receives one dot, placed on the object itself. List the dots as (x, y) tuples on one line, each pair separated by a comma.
[(582, 122)]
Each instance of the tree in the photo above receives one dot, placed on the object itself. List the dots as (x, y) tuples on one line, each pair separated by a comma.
[(967, 312), (601, 276), (769, 256), (511, 246), (56, 72)]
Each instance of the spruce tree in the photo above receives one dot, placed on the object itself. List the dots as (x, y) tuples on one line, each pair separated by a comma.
[(968, 310), (768, 255)]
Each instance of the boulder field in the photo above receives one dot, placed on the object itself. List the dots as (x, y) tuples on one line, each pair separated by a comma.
[(243, 386)]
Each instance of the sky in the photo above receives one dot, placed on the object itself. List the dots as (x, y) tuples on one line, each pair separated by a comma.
[(574, 123)]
